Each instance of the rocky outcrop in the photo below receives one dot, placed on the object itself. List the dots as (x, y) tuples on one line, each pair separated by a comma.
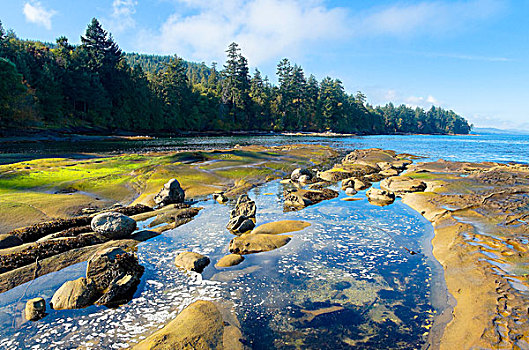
[(401, 185), (389, 172), (380, 197), (359, 184), (220, 197), (170, 193), (191, 261), (113, 225), (301, 175), (35, 309), (199, 326), (334, 175), (350, 191), (256, 243), (74, 294), (240, 224), (302, 198), (244, 207), (8, 241), (230, 260), (115, 275)]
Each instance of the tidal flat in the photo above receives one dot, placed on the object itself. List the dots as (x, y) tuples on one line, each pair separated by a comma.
[(359, 273)]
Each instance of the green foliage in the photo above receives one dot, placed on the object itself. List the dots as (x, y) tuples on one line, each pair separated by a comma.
[(96, 85)]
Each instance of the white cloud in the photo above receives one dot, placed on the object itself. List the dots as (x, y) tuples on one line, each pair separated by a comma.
[(122, 15), (423, 102), (36, 13)]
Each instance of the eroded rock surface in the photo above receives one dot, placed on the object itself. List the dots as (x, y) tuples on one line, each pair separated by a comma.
[(113, 225), (171, 193), (230, 260), (74, 294), (256, 243), (192, 261), (402, 185), (380, 197)]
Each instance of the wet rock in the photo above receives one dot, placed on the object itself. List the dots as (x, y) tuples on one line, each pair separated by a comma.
[(113, 225), (115, 275), (303, 179), (380, 197), (170, 193), (376, 177), (230, 260), (198, 326), (35, 309), (283, 226), (8, 241), (302, 198), (356, 183), (74, 294), (296, 199), (403, 185), (191, 261), (256, 243), (240, 224), (370, 156), (385, 165), (299, 172), (401, 164), (220, 198), (319, 185), (389, 172), (350, 191), (334, 175), (244, 207)]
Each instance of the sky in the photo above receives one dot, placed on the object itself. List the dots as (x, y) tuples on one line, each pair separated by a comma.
[(470, 56)]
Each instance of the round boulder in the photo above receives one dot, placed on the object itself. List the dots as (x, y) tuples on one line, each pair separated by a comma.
[(299, 172), (380, 197), (74, 294), (113, 225), (191, 261)]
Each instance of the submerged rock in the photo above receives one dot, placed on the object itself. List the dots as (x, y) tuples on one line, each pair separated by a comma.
[(191, 261), (403, 185), (115, 275), (35, 309), (380, 197), (8, 241), (199, 326), (230, 260), (113, 225), (170, 193), (256, 243), (74, 294)]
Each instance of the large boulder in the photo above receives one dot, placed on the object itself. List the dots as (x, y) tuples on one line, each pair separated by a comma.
[(283, 226), (35, 309), (191, 261), (350, 191), (199, 326), (299, 172), (115, 275), (380, 197), (301, 198), (244, 207), (170, 193), (256, 243), (220, 197), (334, 175), (74, 294), (240, 224), (230, 260), (358, 184), (8, 241), (113, 225), (401, 185)]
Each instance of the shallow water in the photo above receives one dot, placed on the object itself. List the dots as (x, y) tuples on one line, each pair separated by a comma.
[(352, 258)]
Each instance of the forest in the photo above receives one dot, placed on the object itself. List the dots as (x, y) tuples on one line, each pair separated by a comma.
[(56, 86)]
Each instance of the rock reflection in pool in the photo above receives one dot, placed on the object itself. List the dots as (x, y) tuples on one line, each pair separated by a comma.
[(339, 283)]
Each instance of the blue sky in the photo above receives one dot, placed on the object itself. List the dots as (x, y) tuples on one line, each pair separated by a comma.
[(470, 56)]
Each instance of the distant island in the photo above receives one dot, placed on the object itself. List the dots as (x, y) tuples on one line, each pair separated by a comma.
[(95, 86)]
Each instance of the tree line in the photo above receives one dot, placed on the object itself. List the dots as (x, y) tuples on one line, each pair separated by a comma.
[(95, 84)]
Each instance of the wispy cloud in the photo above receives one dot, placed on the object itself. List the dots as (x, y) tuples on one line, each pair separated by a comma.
[(123, 15), (36, 13)]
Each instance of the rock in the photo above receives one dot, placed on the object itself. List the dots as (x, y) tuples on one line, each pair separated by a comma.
[(370, 156), (296, 199), (113, 225), (401, 164), (334, 175), (319, 185), (244, 207), (285, 181), (256, 243), (297, 173), (191, 261), (220, 198), (240, 224), (374, 177), (380, 197), (303, 179), (170, 193), (74, 294), (356, 183), (283, 226), (35, 309), (389, 172), (198, 326), (350, 191), (8, 241), (402, 185), (385, 165), (108, 269), (302, 198), (230, 260)]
